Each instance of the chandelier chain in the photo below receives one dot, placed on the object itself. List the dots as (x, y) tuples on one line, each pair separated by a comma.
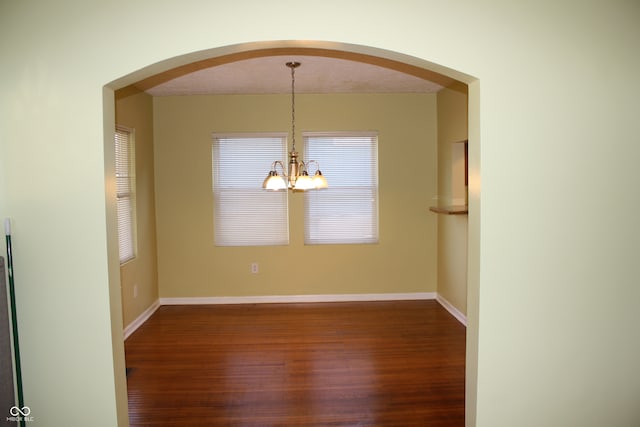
[(293, 108)]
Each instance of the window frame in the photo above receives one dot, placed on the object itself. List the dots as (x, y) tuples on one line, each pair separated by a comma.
[(127, 220), (273, 205), (311, 235)]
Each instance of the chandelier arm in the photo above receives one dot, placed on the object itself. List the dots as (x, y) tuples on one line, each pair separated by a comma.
[(303, 166), (279, 163), (314, 162)]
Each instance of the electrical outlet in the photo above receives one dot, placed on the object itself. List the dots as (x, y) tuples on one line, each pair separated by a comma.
[(254, 268)]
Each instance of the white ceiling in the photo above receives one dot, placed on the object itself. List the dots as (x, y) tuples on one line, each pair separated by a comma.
[(317, 74)]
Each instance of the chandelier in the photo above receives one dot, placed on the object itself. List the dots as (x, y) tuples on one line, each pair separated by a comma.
[(297, 175)]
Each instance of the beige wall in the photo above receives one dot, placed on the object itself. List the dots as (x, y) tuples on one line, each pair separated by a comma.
[(452, 229), (139, 277), (553, 129), (191, 266)]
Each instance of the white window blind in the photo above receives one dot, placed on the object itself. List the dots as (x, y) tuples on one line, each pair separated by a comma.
[(244, 213), (125, 193), (346, 212)]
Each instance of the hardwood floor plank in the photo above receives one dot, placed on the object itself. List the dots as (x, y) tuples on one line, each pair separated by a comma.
[(392, 363)]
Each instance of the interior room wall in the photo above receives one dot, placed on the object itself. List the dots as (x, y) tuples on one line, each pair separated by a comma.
[(452, 229), (139, 277), (553, 184), (190, 265)]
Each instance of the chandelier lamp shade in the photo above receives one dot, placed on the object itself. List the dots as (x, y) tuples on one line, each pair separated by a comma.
[(296, 177)]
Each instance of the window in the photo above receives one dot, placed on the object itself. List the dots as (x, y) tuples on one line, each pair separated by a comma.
[(125, 193), (346, 212), (244, 213)]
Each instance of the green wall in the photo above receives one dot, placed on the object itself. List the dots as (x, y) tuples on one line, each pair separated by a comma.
[(553, 129), (403, 261)]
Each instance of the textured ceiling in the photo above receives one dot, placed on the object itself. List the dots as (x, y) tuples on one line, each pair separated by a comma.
[(317, 74)]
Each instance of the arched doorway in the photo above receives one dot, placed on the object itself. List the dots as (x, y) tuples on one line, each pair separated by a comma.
[(179, 66)]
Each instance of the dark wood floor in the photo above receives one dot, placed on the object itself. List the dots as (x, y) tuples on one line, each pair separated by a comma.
[(337, 364)]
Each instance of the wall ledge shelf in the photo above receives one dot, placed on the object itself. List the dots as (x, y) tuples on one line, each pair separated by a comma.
[(450, 210)]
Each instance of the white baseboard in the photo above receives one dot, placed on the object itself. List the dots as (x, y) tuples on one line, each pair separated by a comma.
[(451, 309), (131, 327), (274, 299)]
